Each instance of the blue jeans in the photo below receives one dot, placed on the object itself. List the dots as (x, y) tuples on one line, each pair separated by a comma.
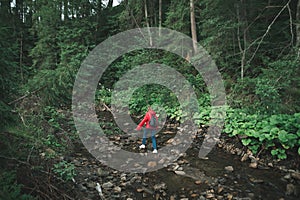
[(146, 130)]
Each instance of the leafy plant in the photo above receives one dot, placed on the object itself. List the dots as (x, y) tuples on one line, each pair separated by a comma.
[(10, 189), (65, 170), (277, 133)]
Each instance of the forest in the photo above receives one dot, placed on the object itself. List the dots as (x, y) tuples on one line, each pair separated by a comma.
[(254, 44)]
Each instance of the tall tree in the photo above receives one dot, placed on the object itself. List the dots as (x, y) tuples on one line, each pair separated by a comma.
[(160, 16), (193, 25), (110, 3), (147, 22), (298, 24)]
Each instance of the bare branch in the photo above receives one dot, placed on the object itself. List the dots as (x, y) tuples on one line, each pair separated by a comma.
[(267, 31)]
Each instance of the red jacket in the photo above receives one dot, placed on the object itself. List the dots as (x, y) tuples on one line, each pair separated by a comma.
[(147, 120)]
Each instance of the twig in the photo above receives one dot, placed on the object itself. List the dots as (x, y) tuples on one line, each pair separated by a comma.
[(26, 95), (15, 159), (137, 25), (107, 107)]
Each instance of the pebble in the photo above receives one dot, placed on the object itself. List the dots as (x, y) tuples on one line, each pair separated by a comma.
[(251, 195), (91, 185), (270, 164), (229, 168), (152, 164), (117, 189), (194, 195), (139, 190), (202, 198), (296, 175), (181, 173), (161, 186), (288, 176), (220, 189), (291, 190), (107, 185), (254, 180), (253, 165), (210, 195), (229, 196), (101, 172)]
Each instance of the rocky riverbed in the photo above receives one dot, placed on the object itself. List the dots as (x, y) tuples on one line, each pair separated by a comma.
[(227, 173)]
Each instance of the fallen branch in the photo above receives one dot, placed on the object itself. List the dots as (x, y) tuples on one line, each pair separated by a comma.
[(26, 95), (107, 108)]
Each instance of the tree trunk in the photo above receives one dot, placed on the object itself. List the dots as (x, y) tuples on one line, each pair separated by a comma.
[(193, 25), (241, 47), (66, 8), (298, 25), (147, 22), (19, 9), (160, 16), (21, 58), (110, 3)]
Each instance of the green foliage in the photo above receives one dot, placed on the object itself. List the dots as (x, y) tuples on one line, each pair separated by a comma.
[(178, 15), (277, 133), (110, 128), (10, 189), (8, 71), (273, 91), (55, 80), (51, 141), (65, 170), (53, 117)]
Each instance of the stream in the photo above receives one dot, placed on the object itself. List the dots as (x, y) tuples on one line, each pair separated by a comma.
[(220, 176)]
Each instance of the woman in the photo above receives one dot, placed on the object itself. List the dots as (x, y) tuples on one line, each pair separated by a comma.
[(150, 127)]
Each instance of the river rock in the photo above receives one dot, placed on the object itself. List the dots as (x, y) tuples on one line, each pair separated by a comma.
[(176, 167), (220, 189), (139, 190), (253, 165), (251, 195), (107, 185), (82, 188), (161, 186), (296, 175), (229, 168), (254, 180), (229, 197), (291, 190), (194, 195), (287, 177), (181, 173), (245, 156), (202, 198), (101, 172), (152, 164), (210, 195), (91, 185), (117, 189)]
